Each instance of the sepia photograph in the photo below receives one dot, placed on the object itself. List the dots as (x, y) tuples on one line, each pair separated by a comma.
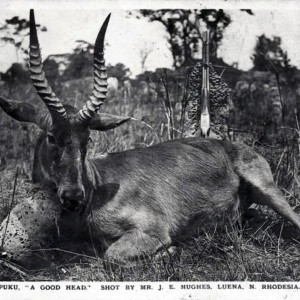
[(150, 142)]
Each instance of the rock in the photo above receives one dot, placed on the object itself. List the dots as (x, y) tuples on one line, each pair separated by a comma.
[(30, 227)]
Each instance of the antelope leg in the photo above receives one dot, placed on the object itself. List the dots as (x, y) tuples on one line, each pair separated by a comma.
[(135, 244), (256, 173)]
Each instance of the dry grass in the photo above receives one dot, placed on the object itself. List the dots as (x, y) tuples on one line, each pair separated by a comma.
[(265, 249)]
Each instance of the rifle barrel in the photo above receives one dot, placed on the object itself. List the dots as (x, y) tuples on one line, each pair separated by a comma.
[(205, 97)]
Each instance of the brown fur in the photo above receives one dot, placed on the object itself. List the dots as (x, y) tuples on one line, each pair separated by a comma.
[(142, 200)]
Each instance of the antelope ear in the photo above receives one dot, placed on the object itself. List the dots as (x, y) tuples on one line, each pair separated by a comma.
[(25, 112), (104, 121)]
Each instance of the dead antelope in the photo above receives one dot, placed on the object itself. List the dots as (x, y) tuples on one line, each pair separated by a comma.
[(139, 201)]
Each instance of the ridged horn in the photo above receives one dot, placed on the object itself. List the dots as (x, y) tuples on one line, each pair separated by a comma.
[(100, 78), (38, 77)]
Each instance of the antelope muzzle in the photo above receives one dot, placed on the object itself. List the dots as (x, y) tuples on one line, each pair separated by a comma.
[(72, 199)]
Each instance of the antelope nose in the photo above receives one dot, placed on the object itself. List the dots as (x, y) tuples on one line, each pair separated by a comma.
[(72, 197)]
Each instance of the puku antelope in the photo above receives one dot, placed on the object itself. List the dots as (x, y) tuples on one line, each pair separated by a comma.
[(142, 200)]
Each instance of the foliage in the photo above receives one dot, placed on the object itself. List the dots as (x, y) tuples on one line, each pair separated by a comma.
[(265, 98), (261, 251), (16, 74), (183, 27), (119, 71), (269, 56), (14, 31), (81, 61)]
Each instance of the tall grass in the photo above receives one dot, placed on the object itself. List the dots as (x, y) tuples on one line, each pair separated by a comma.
[(264, 248)]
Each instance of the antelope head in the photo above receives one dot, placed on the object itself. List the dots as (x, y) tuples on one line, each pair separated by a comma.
[(64, 146)]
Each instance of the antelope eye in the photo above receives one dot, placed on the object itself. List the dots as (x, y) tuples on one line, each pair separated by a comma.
[(51, 139)]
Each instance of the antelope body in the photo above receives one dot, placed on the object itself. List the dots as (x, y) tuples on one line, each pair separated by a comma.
[(142, 200)]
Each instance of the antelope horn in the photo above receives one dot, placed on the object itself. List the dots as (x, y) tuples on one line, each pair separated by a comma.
[(40, 82), (100, 79)]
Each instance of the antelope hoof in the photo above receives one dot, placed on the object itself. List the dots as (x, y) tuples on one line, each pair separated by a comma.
[(170, 252)]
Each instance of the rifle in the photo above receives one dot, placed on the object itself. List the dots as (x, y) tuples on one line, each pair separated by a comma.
[(205, 99)]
